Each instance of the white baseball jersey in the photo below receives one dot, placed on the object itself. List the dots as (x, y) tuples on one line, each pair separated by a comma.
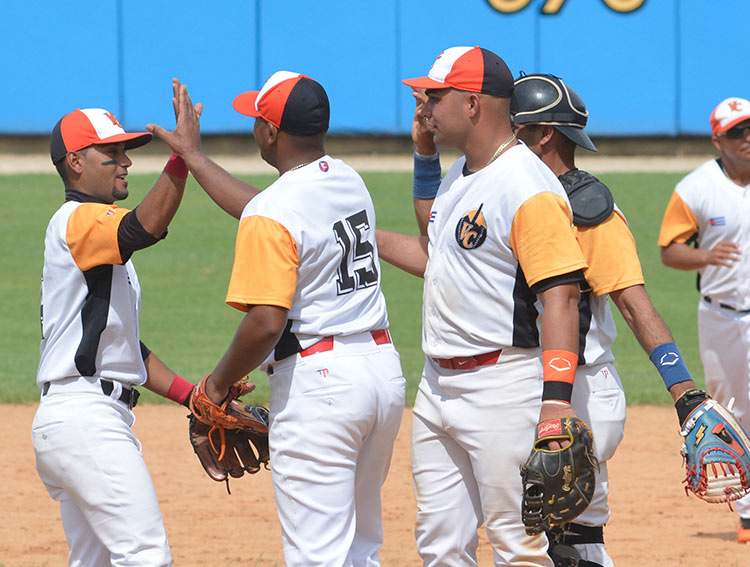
[(492, 234), (86, 452), (708, 204), (90, 298), (306, 244)]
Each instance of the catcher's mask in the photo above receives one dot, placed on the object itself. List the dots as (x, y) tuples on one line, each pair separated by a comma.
[(545, 99)]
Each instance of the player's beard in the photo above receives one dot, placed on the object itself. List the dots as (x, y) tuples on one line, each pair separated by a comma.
[(119, 194)]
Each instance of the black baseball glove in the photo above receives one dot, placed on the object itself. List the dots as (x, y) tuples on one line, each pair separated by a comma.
[(558, 485)]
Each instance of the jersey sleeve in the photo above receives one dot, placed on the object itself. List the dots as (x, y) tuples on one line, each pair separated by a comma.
[(610, 252), (679, 223), (265, 265), (91, 235), (542, 238)]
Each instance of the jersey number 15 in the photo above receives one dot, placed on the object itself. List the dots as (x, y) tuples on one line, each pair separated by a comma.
[(357, 251)]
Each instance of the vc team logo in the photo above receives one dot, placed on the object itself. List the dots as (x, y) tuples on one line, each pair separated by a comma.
[(323, 165), (471, 230), (112, 118)]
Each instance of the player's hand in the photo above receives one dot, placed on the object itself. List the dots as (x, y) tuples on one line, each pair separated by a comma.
[(216, 394), (556, 410), (725, 253), (185, 139), (421, 133)]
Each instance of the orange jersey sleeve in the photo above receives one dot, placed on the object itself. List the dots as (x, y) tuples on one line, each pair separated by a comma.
[(92, 235), (679, 223), (542, 238), (610, 252), (265, 265)]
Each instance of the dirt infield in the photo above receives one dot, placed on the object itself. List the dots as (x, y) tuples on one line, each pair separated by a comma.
[(653, 522)]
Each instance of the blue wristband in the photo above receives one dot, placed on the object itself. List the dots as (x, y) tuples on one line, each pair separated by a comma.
[(668, 361), (426, 176)]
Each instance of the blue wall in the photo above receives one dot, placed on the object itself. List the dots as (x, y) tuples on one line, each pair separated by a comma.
[(658, 69)]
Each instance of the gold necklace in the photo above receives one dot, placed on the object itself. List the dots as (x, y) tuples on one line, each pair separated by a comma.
[(300, 165), (504, 145)]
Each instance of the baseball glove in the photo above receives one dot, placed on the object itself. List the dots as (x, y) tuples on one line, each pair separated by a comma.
[(558, 484), (716, 450), (228, 438)]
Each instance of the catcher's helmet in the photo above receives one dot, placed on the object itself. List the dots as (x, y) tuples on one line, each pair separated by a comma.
[(545, 99)]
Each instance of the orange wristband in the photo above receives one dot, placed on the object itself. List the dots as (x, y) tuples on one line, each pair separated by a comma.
[(559, 371)]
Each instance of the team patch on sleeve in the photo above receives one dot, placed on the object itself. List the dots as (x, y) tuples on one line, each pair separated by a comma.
[(91, 235), (542, 238), (265, 265), (679, 223)]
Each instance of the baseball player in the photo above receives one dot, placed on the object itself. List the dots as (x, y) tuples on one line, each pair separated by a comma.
[(499, 247), (709, 210), (91, 356), (306, 273), (549, 117)]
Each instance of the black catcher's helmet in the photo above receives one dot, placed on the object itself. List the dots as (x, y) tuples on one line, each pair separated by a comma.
[(545, 99)]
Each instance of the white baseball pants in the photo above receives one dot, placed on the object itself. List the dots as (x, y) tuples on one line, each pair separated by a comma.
[(90, 460), (334, 419), (724, 339), (472, 430), (599, 400)]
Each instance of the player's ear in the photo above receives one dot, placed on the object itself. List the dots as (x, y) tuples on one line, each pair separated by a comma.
[(74, 161), (545, 133), (715, 141), (273, 133), (472, 104)]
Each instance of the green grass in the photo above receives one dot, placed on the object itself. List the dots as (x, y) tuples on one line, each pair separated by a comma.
[(184, 319)]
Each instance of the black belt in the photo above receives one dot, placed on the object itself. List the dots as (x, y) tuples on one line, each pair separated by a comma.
[(128, 396), (725, 306)]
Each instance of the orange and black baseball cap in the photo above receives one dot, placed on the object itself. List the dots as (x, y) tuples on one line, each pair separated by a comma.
[(728, 113), (88, 126), (294, 103), (472, 69)]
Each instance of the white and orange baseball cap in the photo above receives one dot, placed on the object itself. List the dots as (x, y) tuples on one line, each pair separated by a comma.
[(292, 102), (88, 126), (472, 69), (729, 112)]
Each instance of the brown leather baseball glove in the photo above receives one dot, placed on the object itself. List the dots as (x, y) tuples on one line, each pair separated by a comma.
[(230, 438)]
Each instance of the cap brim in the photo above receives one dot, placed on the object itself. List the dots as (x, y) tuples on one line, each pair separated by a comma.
[(131, 139), (578, 136), (244, 103), (425, 83), (732, 124)]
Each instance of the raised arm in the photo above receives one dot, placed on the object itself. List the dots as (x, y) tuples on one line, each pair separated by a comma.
[(426, 164), (230, 193)]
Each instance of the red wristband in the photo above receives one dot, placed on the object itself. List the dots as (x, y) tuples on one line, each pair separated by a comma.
[(176, 166), (179, 390)]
